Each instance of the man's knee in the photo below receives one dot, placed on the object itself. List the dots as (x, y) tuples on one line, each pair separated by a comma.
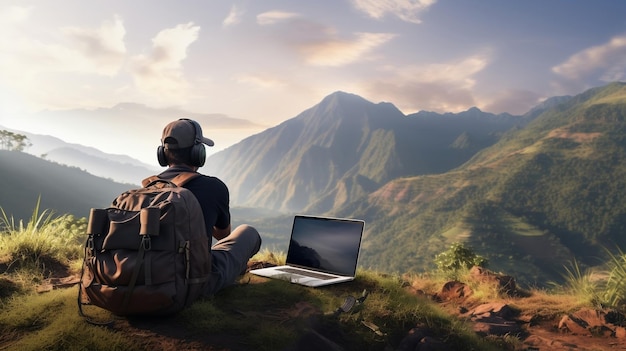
[(250, 234)]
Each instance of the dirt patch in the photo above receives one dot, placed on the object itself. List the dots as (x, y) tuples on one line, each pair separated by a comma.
[(539, 333), (165, 334)]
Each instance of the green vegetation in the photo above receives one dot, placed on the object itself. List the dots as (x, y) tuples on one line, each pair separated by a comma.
[(26, 178), (545, 193), (615, 290), (43, 244), (257, 313), (549, 190), (458, 258), (13, 141), (582, 285), (600, 287)]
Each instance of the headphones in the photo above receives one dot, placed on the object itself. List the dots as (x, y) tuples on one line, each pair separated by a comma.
[(197, 155)]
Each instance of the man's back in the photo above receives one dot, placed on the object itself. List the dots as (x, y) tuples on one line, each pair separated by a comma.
[(212, 194)]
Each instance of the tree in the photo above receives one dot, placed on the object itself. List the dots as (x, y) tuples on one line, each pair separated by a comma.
[(13, 141)]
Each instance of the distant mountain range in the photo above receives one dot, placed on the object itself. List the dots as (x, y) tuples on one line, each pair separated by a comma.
[(531, 192), (119, 168), (347, 147), (134, 126)]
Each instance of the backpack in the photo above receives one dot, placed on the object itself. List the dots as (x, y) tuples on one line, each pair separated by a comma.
[(148, 253)]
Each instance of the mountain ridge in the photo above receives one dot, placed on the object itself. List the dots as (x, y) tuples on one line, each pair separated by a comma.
[(526, 203), (529, 192), (120, 168), (354, 142), (59, 188)]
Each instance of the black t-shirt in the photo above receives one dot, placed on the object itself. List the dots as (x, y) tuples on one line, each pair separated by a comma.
[(213, 196)]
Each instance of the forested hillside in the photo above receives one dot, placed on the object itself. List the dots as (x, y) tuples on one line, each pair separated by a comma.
[(531, 193), (541, 197), (25, 178)]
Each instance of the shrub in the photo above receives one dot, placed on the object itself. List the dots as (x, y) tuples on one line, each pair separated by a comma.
[(581, 285), (458, 258)]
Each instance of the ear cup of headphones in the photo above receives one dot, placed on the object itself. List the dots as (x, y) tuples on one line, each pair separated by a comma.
[(161, 156), (198, 155)]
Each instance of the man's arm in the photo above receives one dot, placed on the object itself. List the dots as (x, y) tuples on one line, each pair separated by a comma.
[(220, 234)]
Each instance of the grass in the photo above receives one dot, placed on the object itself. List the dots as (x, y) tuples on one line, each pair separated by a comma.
[(44, 242), (257, 313)]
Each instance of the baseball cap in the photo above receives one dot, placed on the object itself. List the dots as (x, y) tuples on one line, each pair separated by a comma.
[(183, 133)]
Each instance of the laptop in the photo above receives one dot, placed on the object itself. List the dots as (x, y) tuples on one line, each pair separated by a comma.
[(322, 251)]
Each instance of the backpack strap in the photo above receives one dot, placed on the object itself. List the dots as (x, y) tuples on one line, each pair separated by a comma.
[(183, 177), (179, 180), (149, 180)]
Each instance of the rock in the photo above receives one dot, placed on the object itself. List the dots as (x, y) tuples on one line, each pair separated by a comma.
[(498, 309), (419, 339), (495, 318), (505, 283), (591, 322), (413, 338), (454, 290), (495, 325)]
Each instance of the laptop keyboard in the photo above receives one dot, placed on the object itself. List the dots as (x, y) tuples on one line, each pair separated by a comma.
[(306, 273)]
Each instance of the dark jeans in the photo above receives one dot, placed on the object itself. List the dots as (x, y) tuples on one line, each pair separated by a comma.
[(230, 257)]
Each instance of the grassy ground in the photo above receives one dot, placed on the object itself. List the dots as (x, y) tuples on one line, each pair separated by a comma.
[(255, 314)]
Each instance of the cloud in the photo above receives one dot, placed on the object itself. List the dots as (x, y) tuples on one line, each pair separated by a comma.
[(319, 44), (15, 14), (48, 67), (260, 80), (513, 101), (160, 73), (103, 49), (234, 16), (338, 52), (605, 63), (273, 17), (406, 10), (440, 87), (98, 51)]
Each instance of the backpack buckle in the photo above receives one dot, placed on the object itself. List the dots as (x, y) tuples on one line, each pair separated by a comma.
[(146, 242), (90, 244)]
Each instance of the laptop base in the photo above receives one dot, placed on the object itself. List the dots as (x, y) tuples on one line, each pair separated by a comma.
[(296, 278)]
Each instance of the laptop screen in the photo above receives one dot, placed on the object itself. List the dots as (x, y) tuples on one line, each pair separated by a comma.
[(326, 244)]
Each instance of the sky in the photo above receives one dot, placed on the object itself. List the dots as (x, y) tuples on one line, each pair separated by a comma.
[(267, 61)]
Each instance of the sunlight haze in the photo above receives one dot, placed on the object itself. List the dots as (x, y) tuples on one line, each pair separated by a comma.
[(267, 61)]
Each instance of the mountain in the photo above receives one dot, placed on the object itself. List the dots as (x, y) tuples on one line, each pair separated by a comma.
[(346, 147), (531, 193), (119, 168), (125, 126), (62, 189), (544, 195)]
